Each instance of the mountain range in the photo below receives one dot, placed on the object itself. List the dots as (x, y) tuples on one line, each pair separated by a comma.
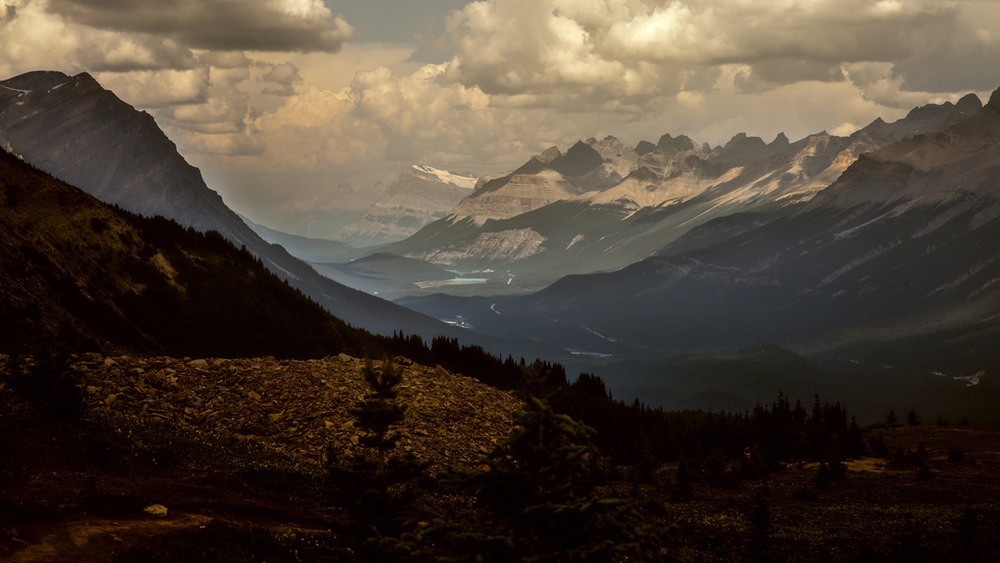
[(602, 206), (896, 261)]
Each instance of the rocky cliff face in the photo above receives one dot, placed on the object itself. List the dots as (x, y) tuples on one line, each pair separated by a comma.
[(533, 186), (86, 136)]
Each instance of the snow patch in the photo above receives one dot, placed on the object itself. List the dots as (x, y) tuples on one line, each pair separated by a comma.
[(508, 246), (466, 182), (879, 250), (970, 380)]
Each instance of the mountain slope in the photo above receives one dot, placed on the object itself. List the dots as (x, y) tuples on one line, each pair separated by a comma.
[(899, 257), (304, 248), (82, 133), (535, 233), (417, 196), (82, 276)]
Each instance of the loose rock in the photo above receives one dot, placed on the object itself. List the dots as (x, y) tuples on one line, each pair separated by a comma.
[(451, 420)]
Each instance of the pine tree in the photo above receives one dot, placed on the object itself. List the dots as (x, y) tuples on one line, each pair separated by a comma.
[(377, 490), (538, 499), (890, 419), (379, 412)]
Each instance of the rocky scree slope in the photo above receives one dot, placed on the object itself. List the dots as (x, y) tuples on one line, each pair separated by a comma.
[(301, 407)]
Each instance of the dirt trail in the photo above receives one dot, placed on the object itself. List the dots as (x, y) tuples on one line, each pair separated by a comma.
[(93, 538)]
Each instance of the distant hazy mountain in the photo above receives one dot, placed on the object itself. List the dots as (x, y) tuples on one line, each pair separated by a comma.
[(76, 130), (898, 259), (417, 196), (326, 215), (561, 214), (304, 248)]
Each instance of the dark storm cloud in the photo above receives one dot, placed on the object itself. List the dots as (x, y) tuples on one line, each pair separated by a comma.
[(259, 25)]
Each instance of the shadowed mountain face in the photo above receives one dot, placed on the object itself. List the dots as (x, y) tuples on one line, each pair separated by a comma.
[(86, 136), (81, 276), (902, 250), (83, 134)]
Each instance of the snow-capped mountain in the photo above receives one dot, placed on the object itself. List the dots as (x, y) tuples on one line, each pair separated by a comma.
[(532, 186), (573, 213), (898, 260), (417, 196)]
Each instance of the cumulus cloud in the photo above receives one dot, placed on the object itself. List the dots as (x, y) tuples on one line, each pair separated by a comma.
[(284, 77), (156, 89), (262, 25), (424, 112), (185, 61), (598, 50), (35, 38)]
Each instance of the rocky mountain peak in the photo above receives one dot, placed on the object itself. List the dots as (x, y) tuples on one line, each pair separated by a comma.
[(741, 149), (643, 174), (90, 138), (580, 159), (670, 145), (644, 147), (994, 103), (549, 154), (969, 103), (35, 79)]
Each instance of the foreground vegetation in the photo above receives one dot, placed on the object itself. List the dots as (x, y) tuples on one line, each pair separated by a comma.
[(783, 483)]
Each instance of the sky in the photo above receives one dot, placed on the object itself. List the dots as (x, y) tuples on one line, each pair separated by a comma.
[(281, 101)]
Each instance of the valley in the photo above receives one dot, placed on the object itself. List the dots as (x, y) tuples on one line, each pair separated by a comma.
[(618, 260), (499, 281)]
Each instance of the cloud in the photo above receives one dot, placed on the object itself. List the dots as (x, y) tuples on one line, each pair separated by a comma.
[(34, 38), (155, 89), (261, 25), (593, 51), (284, 76), (424, 113)]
